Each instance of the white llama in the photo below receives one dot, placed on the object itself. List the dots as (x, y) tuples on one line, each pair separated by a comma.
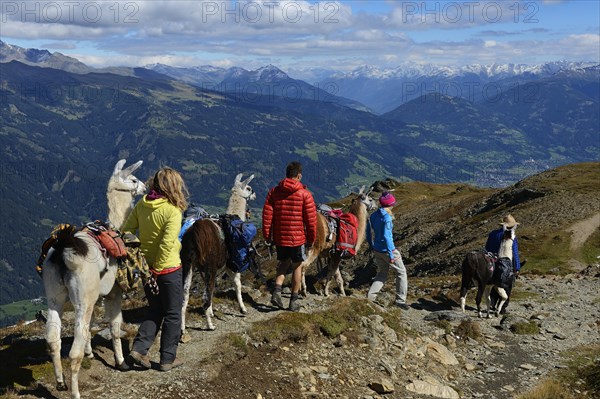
[(77, 269), (203, 247)]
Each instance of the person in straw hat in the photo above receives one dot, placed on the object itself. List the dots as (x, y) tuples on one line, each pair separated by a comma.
[(386, 255), (493, 245)]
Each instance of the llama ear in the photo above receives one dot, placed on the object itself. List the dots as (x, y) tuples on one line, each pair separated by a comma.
[(132, 168), (238, 178), (248, 180), (362, 189), (119, 166)]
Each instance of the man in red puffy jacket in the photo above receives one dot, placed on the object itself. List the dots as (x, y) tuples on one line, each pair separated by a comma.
[(290, 222)]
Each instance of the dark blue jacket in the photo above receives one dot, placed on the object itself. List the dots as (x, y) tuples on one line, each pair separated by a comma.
[(382, 224), (493, 245)]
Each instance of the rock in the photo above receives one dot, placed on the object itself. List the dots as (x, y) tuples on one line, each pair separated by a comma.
[(449, 315), (497, 345), (560, 336), (259, 396), (319, 369), (450, 341), (441, 354), (382, 386), (387, 366), (527, 366), (510, 320), (432, 387), (106, 334)]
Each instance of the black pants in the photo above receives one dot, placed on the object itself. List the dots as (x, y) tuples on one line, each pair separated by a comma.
[(495, 298), (164, 309)]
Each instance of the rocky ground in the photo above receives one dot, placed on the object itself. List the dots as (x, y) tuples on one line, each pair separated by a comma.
[(420, 354), (350, 348)]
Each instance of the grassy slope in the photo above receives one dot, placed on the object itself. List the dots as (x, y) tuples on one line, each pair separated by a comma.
[(437, 224)]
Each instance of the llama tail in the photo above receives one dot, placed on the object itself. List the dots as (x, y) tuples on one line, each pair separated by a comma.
[(66, 239), (467, 273)]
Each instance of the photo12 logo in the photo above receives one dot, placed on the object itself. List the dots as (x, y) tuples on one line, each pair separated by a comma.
[(70, 12), (469, 12), (269, 11)]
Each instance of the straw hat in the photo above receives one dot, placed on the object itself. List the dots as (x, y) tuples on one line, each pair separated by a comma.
[(509, 221)]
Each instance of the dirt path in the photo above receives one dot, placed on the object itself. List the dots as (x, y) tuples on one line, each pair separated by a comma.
[(583, 230), (498, 366)]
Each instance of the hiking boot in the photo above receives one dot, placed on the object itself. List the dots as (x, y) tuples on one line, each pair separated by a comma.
[(170, 366), (276, 300), (294, 305), (403, 306), (138, 359)]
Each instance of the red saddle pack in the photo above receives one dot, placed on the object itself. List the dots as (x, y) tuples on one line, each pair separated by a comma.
[(347, 235), (108, 238)]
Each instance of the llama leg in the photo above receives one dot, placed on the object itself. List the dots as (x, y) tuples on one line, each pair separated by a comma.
[(53, 328), (303, 281), (112, 305), (82, 331), (480, 290), (310, 258), (326, 282), (237, 280), (503, 298), (187, 284), (335, 263), (340, 281), (463, 296), (488, 289), (88, 347), (208, 295)]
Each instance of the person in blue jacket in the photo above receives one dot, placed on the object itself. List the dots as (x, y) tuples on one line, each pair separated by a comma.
[(493, 245), (386, 255)]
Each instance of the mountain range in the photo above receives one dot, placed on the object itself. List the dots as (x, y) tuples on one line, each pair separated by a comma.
[(62, 132), (366, 88)]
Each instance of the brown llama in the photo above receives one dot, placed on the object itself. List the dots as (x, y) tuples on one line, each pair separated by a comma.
[(477, 267), (203, 248), (323, 250)]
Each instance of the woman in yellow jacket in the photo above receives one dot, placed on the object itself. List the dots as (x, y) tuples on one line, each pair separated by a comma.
[(157, 216)]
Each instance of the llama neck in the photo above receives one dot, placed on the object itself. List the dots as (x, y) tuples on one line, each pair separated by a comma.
[(237, 206), (359, 210), (119, 206)]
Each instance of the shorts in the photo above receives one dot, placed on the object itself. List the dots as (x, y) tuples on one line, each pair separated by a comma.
[(296, 254)]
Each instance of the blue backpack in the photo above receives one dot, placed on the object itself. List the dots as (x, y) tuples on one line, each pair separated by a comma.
[(193, 213), (238, 239)]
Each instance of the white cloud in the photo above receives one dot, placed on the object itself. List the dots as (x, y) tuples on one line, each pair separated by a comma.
[(193, 32)]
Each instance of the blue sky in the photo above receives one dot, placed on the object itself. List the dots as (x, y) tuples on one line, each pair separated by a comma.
[(301, 34)]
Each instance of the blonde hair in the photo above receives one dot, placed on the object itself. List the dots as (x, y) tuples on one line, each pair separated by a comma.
[(168, 182)]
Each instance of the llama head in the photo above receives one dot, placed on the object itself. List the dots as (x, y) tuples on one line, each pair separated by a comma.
[(365, 198), (242, 188), (124, 180)]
